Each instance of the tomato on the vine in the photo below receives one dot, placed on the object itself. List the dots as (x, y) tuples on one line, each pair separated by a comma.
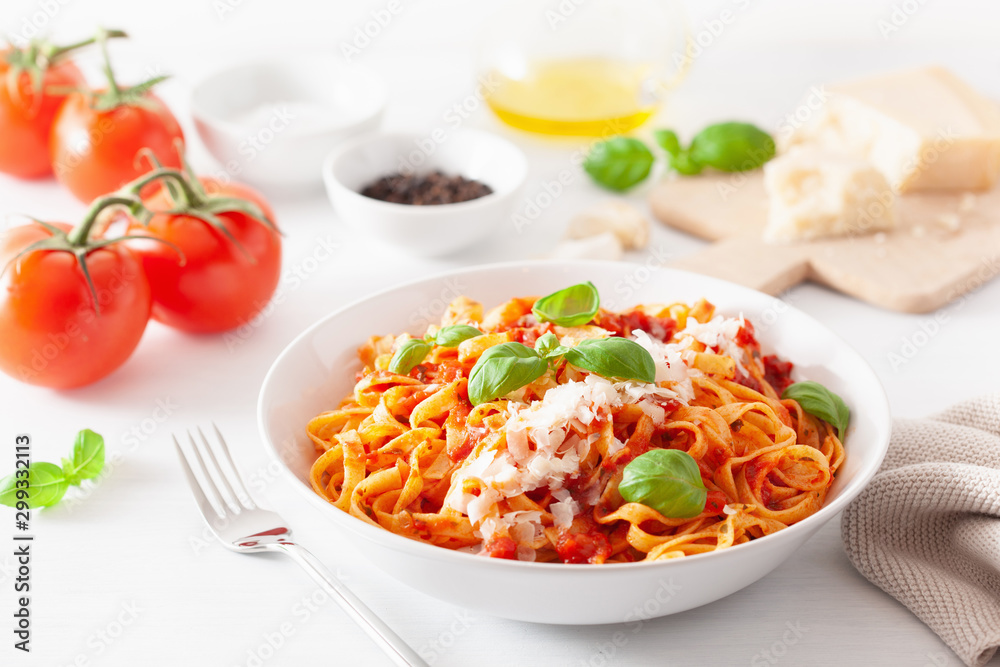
[(34, 83), (231, 254), (71, 310), (97, 136)]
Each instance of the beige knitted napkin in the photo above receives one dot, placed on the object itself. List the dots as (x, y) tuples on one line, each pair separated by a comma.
[(927, 528)]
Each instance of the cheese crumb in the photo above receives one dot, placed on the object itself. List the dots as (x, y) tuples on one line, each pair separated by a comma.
[(623, 220), (950, 221), (601, 246), (967, 202)]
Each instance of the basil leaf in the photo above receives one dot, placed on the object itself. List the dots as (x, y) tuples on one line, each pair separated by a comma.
[(619, 163), (88, 457), (668, 141), (45, 486), (455, 334), (570, 307), (668, 480), (613, 357), (409, 354), (683, 163), (820, 402), (732, 147), (502, 369), (547, 345)]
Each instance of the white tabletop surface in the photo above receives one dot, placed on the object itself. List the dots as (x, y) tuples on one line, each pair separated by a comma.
[(124, 572)]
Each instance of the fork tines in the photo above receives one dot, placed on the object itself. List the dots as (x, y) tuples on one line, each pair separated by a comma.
[(219, 487)]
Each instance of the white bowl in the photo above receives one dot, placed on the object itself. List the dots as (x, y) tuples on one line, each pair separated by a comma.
[(426, 230), (317, 369), (272, 123)]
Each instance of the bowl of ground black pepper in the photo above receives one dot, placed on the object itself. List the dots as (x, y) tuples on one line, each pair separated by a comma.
[(430, 189), (427, 194)]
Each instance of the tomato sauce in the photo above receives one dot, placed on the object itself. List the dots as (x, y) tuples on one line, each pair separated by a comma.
[(756, 473), (715, 502), (778, 372), (443, 373), (588, 545), (624, 456), (501, 547), (747, 337), (473, 435), (529, 335), (623, 324), (407, 404), (748, 381)]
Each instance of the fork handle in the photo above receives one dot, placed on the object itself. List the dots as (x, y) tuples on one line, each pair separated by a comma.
[(394, 646)]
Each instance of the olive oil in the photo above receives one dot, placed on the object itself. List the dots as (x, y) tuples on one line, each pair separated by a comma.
[(580, 97)]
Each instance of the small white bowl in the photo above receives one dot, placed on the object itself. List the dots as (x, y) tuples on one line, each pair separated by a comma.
[(426, 230), (271, 123), (317, 370)]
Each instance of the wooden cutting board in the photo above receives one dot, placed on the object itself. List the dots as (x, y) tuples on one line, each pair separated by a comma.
[(944, 245)]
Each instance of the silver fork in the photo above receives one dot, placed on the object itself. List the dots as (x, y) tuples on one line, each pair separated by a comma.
[(241, 526)]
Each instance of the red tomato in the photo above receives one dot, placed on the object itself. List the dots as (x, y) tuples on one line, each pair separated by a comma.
[(94, 152), (52, 334), (219, 286), (26, 117)]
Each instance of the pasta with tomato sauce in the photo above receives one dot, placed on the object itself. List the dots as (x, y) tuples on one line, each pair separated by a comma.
[(534, 474)]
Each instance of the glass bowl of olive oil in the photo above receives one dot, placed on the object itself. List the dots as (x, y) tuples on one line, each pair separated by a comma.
[(582, 67)]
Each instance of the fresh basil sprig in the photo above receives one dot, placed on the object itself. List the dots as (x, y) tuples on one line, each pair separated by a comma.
[(415, 350), (679, 159), (509, 366), (409, 355), (729, 147), (613, 358), (44, 484), (820, 402), (548, 345), (570, 307), (667, 480), (619, 163), (87, 459), (502, 369), (622, 162), (455, 334)]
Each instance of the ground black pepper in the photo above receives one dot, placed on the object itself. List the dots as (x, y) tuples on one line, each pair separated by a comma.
[(423, 190)]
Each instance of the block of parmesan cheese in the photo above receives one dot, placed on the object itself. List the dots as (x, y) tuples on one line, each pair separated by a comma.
[(814, 194), (923, 129)]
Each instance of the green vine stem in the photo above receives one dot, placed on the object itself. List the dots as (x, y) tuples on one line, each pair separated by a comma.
[(188, 197), (39, 55), (117, 95), (78, 242)]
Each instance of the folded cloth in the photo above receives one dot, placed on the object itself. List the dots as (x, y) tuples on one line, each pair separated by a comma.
[(927, 528)]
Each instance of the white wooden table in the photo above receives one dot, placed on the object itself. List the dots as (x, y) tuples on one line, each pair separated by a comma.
[(124, 572)]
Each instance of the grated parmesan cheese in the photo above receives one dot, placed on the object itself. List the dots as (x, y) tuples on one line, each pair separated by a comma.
[(543, 449), (564, 510), (719, 332), (671, 366)]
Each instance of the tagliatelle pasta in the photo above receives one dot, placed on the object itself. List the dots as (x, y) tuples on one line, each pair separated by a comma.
[(534, 475)]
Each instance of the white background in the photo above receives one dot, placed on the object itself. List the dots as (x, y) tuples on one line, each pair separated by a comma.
[(132, 548)]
